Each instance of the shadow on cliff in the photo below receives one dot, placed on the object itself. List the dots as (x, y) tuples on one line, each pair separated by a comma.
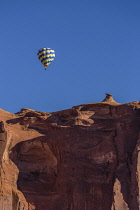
[(15, 120), (37, 168)]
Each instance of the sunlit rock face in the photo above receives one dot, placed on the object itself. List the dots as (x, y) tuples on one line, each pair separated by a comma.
[(83, 158)]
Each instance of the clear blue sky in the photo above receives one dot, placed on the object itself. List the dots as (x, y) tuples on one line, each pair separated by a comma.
[(97, 45)]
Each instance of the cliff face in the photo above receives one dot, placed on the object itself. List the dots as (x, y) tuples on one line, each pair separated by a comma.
[(83, 158)]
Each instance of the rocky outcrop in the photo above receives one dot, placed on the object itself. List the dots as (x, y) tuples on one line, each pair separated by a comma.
[(83, 158), (109, 98)]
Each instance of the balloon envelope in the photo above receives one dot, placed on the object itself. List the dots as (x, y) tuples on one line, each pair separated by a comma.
[(46, 56)]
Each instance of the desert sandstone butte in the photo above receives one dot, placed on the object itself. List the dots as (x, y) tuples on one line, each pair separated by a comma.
[(83, 158)]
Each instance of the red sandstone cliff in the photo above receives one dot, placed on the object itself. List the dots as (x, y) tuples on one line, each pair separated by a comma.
[(83, 158)]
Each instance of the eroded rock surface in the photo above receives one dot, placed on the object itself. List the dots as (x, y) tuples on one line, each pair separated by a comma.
[(83, 158)]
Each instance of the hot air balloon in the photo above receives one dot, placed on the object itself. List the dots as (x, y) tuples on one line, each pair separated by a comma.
[(46, 56)]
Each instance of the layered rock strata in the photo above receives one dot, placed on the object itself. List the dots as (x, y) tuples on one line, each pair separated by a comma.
[(83, 158)]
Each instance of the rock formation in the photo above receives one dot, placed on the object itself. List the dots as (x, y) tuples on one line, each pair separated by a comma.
[(83, 158), (109, 98)]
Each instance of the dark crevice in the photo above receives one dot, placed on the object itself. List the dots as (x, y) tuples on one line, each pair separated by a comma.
[(115, 145), (110, 109)]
